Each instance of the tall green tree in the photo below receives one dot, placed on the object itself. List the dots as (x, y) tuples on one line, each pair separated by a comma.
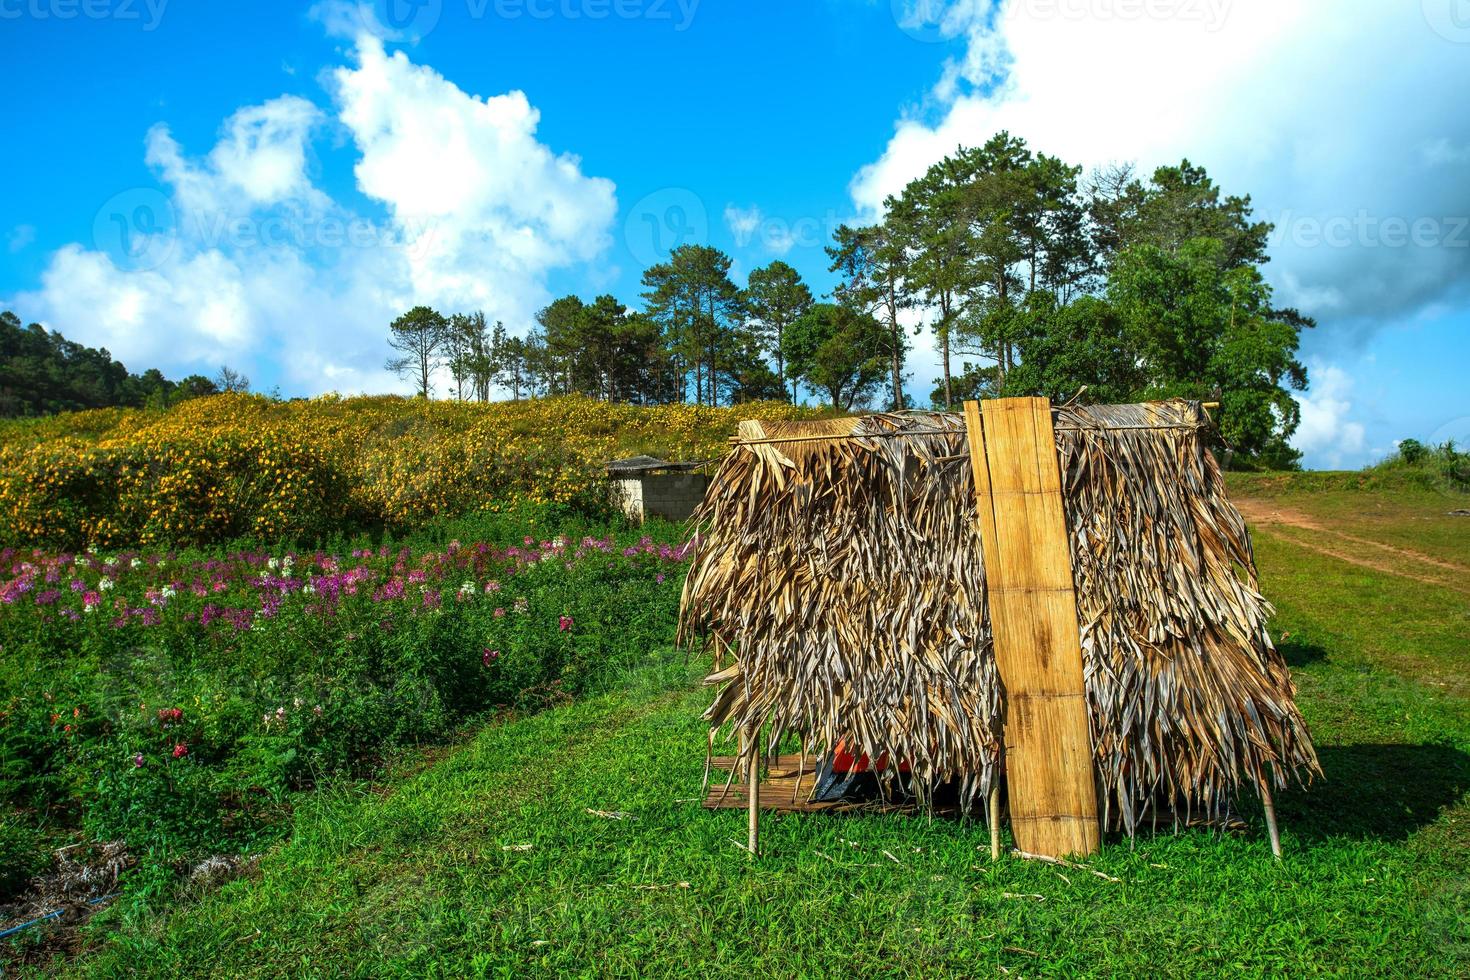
[(1177, 205), (775, 297), (840, 350), (873, 263), (1203, 329), (418, 337), (699, 310), (929, 220)]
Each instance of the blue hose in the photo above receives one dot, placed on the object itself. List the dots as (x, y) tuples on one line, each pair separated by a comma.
[(51, 915)]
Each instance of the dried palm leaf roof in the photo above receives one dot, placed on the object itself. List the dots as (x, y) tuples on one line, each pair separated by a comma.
[(839, 561)]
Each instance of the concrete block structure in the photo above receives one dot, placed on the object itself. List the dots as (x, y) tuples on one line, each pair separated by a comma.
[(645, 487)]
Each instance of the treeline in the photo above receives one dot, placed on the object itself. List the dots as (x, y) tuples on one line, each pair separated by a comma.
[(1031, 279), (42, 373)]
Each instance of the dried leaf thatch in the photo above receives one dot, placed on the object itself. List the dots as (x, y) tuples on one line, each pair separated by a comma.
[(840, 563)]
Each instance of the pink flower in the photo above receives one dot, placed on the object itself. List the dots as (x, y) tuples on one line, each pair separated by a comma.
[(138, 761), (180, 750), (492, 587), (499, 612), (564, 623), (489, 656)]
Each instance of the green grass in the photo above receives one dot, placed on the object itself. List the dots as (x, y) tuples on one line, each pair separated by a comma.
[(425, 878), (1391, 507)]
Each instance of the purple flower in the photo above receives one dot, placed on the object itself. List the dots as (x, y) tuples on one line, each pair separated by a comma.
[(564, 623), (138, 761), (489, 656)]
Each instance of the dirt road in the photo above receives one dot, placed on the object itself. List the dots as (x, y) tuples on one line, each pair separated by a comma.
[(1307, 532)]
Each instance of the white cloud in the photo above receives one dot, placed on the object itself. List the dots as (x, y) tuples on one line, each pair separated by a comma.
[(500, 208), (1320, 115), (260, 160), (1327, 436), (246, 257)]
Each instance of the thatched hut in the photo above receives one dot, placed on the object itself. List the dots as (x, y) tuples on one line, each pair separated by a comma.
[(840, 578)]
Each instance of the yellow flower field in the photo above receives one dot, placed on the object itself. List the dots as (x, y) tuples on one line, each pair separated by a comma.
[(217, 468)]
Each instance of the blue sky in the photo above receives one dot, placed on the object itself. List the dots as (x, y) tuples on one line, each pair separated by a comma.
[(265, 184)]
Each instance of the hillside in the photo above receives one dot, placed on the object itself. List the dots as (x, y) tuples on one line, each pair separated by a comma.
[(239, 466)]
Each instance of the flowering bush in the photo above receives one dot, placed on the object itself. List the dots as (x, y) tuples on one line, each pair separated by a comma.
[(214, 470), (176, 699)]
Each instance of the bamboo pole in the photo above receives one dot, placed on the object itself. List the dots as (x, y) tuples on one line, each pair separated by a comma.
[(753, 795), (995, 820), (1269, 806)]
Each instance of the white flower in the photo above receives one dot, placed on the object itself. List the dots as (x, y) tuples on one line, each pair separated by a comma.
[(104, 583), (273, 564), (136, 563), (467, 588), (167, 592), (80, 559), (309, 589)]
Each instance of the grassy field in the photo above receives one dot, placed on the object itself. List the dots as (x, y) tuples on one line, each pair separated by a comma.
[(488, 862)]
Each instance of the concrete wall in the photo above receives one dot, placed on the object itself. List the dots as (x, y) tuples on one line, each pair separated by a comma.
[(672, 496)]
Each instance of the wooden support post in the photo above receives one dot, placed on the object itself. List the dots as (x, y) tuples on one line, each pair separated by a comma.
[(1033, 621), (1270, 807), (753, 794), (995, 819)]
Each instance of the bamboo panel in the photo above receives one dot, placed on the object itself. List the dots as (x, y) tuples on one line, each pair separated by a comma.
[(1033, 615)]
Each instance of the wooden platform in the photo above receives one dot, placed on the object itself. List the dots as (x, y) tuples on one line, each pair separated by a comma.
[(785, 787)]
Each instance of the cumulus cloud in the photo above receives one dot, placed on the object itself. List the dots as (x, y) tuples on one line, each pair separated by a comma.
[(499, 208), (1339, 126), (246, 257), (1327, 437), (260, 160)]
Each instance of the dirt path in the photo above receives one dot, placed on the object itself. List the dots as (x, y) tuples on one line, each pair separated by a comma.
[(1389, 559)]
